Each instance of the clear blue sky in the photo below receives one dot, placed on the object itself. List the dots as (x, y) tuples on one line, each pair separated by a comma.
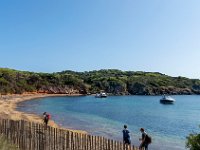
[(83, 35)]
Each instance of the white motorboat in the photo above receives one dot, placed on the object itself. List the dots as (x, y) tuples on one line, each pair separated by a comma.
[(101, 95), (167, 100)]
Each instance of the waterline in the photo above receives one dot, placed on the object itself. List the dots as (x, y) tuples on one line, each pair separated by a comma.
[(167, 124)]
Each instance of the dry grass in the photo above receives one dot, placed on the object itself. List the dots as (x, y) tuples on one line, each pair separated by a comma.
[(5, 145)]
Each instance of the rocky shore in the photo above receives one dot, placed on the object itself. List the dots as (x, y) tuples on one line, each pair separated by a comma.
[(139, 90)]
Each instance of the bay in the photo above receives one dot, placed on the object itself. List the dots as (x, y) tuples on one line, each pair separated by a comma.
[(167, 124)]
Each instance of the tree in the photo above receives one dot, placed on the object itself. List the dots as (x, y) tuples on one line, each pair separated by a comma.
[(193, 141)]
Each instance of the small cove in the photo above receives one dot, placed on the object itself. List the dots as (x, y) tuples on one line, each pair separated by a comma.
[(167, 124)]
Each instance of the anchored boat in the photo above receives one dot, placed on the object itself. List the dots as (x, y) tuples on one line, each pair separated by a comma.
[(101, 95), (167, 100)]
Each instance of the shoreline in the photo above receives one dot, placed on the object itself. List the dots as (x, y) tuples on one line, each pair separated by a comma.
[(8, 105)]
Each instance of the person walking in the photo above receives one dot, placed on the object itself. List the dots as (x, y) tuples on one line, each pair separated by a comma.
[(145, 140), (126, 136), (46, 118)]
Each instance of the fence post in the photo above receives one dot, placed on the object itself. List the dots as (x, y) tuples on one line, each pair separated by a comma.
[(34, 136)]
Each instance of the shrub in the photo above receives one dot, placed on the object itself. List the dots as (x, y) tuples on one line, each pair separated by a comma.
[(193, 141)]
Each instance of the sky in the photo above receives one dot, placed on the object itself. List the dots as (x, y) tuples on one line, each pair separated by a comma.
[(84, 35)]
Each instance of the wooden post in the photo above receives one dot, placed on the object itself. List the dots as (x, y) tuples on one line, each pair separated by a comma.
[(34, 136)]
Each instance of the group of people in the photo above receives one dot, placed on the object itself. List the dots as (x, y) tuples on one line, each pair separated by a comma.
[(145, 140)]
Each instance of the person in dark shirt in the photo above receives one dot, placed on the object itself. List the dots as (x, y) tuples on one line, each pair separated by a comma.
[(144, 144), (46, 118), (126, 135)]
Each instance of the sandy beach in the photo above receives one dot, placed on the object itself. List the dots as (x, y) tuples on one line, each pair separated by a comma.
[(8, 104)]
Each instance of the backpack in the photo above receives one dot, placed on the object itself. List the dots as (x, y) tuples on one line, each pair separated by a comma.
[(148, 139), (48, 116)]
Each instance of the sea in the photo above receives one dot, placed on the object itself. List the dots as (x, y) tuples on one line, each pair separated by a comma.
[(168, 125)]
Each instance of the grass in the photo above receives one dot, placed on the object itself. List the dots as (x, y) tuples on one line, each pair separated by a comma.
[(5, 145)]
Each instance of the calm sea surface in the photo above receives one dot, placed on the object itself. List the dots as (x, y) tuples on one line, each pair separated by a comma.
[(167, 124)]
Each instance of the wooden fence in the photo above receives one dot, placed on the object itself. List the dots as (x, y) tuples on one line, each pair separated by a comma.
[(34, 136)]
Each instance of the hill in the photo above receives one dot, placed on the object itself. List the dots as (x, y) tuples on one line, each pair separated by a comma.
[(112, 81)]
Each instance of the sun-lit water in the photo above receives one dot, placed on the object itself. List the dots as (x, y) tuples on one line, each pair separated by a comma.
[(167, 124)]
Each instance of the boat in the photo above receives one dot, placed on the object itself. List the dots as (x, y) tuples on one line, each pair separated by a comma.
[(101, 95), (167, 100)]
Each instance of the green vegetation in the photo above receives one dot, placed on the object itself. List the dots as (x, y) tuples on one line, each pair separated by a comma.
[(193, 141), (4, 145), (111, 81)]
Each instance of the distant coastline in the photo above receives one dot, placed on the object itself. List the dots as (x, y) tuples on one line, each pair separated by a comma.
[(111, 81)]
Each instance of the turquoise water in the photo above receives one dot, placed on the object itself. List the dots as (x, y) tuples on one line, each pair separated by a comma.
[(167, 124)]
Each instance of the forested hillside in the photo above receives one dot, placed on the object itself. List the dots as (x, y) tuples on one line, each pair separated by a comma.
[(111, 81)]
